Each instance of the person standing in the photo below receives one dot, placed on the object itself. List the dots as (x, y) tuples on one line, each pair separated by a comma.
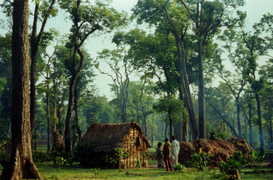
[(174, 151), (167, 154), (159, 155)]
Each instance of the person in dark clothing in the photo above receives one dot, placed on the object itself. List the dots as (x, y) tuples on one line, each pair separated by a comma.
[(167, 154), (159, 155)]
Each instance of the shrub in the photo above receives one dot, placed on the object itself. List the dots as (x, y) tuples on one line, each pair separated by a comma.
[(232, 164), (188, 164), (231, 168), (41, 157), (178, 167), (4, 157), (67, 156), (256, 160), (239, 157), (200, 160), (83, 154), (214, 135), (60, 161)]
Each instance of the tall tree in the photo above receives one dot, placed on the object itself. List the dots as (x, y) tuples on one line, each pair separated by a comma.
[(235, 84), (5, 85), (21, 164), (35, 40), (220, 99), (207, 17), (117, 61), (248, 102), (87, 19), (250, 46)]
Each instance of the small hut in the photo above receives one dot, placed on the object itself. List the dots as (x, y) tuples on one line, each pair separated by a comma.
[(105, 139)]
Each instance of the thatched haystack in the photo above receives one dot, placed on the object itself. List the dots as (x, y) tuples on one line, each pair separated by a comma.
[(103, 139), (221, 150)]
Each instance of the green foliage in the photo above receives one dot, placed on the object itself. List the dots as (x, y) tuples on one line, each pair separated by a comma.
[(200, 160), (256, 161), (36, 135), (83, 154), (138, 164), (215, 135), (239, 157), (3, 82), (96, 171), (63, 154), (232, 164), (4, 157), (41, 157), (48, 171), (113, 161), (178, 167), (188, 164), (145, 154), (121, 152), (60, 161), (4, 138)]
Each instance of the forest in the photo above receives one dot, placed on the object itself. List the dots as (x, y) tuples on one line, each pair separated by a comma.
[(189, 68)]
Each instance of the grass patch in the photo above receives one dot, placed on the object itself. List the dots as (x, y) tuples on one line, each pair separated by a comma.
[(41, 148), (50, 171)]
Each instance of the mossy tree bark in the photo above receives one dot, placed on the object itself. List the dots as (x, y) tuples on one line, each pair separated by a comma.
[(21, 163)]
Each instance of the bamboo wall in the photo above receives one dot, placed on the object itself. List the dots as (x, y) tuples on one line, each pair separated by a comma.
[(135, 145)]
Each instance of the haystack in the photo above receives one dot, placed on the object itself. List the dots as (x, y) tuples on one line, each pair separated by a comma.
[(105, 138), (219, 149)]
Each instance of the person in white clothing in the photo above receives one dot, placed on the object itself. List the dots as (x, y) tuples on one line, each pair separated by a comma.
[(174, 151)]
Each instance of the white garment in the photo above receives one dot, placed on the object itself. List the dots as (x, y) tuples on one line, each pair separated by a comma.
[(175, 152)]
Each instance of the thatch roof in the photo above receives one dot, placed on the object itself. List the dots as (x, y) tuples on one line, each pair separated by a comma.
[(107, 137)]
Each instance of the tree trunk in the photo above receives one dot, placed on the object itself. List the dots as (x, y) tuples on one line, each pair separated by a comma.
[(171, 123), (34, 50), (185, 122), (260, 124), (185, 131), (250, 125), (270, 130), (183, 75), (238, 117), (186, 90), (48, 118), (58, 143), (138, 121), (201, 98), (35, 40), (21, 164), (76, 121), (69, 114), (144, 120), (177, 130), (166, 129), (123, 107)]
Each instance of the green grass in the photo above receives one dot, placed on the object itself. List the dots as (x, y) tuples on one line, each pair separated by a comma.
[(50, 171), (41, 148)]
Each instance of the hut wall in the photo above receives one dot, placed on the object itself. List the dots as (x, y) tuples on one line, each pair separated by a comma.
[(135, 145)]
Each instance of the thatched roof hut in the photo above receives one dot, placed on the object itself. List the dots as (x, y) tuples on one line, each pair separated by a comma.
[(105, 138)]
